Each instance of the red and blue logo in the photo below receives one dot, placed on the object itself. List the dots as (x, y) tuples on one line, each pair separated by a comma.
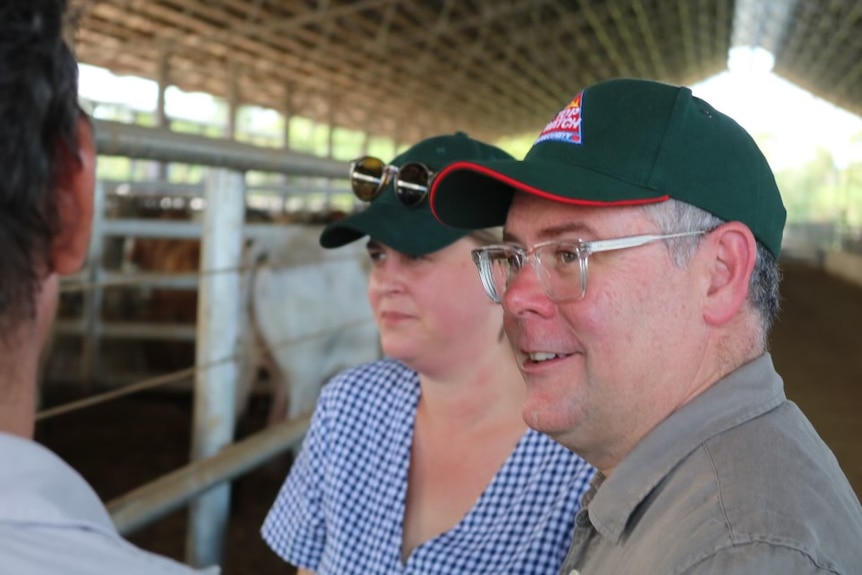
[(566, 126)]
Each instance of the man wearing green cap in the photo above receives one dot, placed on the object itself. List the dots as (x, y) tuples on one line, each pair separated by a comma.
[(639, 282), (421, 462)]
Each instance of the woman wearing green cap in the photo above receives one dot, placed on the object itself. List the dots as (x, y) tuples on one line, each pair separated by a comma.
[(421, 462)]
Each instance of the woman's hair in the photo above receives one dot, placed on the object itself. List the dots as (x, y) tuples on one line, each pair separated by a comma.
[(38, 115), (487, 236), (676, 216)]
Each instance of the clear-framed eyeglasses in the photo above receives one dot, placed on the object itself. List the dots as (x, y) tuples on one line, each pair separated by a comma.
[(369, 175), (561, 265)]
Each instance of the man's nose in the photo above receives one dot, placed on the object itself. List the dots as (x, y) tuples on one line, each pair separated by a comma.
[(525, 293)]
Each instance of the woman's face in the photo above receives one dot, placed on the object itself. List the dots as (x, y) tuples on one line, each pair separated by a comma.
[(431, 310)]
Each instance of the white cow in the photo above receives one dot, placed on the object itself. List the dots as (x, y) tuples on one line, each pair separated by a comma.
[(307, 316)]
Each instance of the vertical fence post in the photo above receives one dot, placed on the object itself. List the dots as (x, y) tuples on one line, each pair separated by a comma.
[(93, 297), (218, 316)]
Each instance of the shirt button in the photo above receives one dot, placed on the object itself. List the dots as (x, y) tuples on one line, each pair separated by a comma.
[(574, 572)]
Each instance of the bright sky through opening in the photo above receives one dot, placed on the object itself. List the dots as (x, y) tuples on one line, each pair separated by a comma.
[(793, 122)]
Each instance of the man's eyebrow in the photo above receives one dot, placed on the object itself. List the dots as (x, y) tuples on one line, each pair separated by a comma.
[(553, 232)]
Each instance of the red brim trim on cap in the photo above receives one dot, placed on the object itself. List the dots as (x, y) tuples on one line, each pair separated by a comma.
[(520, 186)]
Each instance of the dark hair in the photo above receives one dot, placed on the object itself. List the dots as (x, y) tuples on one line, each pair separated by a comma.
[(38, 116)]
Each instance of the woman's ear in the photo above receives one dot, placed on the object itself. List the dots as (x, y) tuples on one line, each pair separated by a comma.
[(733, 252), (75, 187)]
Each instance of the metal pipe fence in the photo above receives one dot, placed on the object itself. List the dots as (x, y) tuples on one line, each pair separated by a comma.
[(203, 482)]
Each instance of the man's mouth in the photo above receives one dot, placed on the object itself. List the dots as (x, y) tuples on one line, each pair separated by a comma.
[(540, 356)]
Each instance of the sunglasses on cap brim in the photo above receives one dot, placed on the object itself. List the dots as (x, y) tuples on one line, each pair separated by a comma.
[(369, 175)]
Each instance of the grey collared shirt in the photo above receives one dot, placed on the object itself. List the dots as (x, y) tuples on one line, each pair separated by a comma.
[(736, 481), (51, 522)]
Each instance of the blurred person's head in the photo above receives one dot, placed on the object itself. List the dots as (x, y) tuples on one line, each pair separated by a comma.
[(47, 156)]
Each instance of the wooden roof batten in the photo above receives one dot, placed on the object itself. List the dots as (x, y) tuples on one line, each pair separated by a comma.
[(492, 68)]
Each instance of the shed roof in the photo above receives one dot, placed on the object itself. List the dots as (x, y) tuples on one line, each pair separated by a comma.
[(407, 69)]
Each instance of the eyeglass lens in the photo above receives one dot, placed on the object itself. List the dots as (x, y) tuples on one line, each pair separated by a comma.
[(367, 178), (411, 184), (558, 267)]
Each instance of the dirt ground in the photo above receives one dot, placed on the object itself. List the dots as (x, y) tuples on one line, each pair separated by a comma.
[(118, 446)]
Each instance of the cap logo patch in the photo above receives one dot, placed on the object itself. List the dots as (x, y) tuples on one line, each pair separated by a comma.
[(566, 126)]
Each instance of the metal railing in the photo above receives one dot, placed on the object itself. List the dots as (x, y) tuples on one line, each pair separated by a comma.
[(203, 483)]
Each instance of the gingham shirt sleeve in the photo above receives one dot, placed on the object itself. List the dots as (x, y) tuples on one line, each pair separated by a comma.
[(295, 526)]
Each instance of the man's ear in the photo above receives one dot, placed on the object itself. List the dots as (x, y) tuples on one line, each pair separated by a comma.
[(75, 188), (732, 252)]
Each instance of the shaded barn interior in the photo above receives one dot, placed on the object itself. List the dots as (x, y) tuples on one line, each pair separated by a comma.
[(406, 69)]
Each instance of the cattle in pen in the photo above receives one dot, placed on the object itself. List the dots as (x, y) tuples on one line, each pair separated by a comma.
[(304, 315)]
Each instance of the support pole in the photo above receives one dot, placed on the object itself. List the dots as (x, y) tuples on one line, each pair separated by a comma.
[(288, 113), (215, 388), (93, 298), (233, 103), (162, 120)]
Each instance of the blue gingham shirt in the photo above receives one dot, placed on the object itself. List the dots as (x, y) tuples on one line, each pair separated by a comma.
[(341, 509)]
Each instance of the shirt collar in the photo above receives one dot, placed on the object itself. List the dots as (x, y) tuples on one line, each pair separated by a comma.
[(744, 394), (42, 488)]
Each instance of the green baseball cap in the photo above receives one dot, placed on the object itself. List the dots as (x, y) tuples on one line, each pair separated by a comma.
[(625, 142), (411, 230)]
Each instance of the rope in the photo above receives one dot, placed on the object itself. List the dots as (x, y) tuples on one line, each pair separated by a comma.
[(149, 383), (75, 286), (153, 382)]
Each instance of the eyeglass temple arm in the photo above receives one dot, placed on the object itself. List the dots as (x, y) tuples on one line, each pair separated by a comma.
[(367, 178), (632, 242)]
